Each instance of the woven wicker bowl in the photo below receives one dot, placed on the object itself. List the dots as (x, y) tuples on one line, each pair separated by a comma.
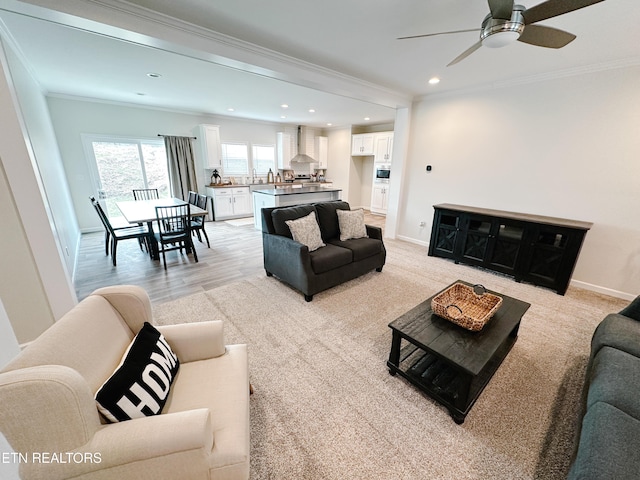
[(461, 305)]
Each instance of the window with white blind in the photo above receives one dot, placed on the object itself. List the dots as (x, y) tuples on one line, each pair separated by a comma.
[(264, 158), (235, 159)]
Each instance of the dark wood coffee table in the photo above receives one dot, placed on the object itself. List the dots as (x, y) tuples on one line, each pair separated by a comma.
[(449, 363)]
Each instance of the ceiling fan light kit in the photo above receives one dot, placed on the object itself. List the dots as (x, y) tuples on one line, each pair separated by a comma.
[(507, 23), (497, 32)]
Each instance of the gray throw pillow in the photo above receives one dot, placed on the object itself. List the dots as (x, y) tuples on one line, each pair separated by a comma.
[(305, 230), (351, 224)]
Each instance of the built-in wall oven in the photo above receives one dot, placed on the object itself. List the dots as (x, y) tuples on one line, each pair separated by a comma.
[(382, 172)]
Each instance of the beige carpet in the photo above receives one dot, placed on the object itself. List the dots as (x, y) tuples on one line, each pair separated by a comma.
[(325, 406)]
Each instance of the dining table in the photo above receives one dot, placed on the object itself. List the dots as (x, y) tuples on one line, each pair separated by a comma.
[(144, 211)]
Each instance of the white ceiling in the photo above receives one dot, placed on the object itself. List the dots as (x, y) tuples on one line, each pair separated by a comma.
[(333, 46)]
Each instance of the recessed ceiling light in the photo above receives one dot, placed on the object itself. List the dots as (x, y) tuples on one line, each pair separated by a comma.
[(366, 119), (231, 109), (284, 105), (311, 110), (434, 80), (153, 75), (329, 124), (283, 116)]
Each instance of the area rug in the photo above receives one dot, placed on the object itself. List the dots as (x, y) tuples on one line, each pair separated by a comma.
[(325, 406)]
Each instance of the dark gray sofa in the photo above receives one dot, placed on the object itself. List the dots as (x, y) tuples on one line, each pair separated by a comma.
[(609, 446), (326, 267)]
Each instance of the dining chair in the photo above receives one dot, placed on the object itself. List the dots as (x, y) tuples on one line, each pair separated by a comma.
[(145, 194), (107, 232), (193, 197), (114, 235), (174, 230), (197, 223)]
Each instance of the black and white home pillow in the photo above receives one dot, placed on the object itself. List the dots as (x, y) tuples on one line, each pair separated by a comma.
[(140, 384)]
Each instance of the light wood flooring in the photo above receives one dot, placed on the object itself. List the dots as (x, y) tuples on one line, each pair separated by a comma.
[(236, 252)]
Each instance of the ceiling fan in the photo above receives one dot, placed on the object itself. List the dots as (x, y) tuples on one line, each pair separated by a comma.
[(508, 22)]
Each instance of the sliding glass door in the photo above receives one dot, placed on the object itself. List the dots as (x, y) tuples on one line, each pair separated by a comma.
[(121, 165)]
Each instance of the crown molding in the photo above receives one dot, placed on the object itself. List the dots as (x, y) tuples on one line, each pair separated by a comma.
[(571, 72), (124, 21), (9, 41), (538, 78), (143, 106)]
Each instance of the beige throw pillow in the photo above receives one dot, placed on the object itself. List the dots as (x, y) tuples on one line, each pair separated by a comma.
[(305, 230), (351, 224)]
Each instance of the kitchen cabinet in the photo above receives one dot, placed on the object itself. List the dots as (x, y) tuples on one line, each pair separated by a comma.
[(537, 249), (362, 144), (208, 147), (231, 202), (287, 196), (379, 198), (287, 148), (321, 152), (383, 148)]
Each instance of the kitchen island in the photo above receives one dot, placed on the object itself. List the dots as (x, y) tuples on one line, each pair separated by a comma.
[(287, 196)]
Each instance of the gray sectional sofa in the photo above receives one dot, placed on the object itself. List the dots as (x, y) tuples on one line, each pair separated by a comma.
[(326, 267), (609, 446)]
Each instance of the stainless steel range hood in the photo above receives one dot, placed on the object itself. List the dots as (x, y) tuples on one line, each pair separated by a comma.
[(303, 142)]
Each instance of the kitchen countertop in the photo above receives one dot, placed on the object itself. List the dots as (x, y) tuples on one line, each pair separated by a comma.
[(279, 184), (235, 185), (296, 191)]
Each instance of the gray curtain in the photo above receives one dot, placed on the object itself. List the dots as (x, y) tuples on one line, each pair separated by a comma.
[(182, 173)]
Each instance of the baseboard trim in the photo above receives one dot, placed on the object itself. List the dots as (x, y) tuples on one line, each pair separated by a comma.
[(91, 230), (606, 291), (413, 240)]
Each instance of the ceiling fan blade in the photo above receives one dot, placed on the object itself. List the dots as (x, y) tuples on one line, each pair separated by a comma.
[(542, 36), (553, 8), (501, 9), (440, 33), (466, 53)]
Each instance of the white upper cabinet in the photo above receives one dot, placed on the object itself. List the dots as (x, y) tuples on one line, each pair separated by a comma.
[(384, 147), (362, 144), (208, 146), (286, 146), (321, 152)]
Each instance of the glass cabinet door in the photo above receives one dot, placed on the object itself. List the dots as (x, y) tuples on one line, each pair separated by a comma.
[(546, 254), (446, 234), (506, 246), (478, 234)]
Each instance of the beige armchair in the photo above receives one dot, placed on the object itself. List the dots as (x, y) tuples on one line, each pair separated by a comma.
[(49, 416)]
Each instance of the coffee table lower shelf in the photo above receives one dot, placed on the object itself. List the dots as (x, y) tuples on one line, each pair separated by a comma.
[(452, 387)]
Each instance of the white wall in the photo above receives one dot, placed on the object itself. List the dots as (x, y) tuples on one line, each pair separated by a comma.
[(39, 234), (8, 349), (339, 148), (20, 287), (566, 147), (72, 118), (366, 174), (49, 168)]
